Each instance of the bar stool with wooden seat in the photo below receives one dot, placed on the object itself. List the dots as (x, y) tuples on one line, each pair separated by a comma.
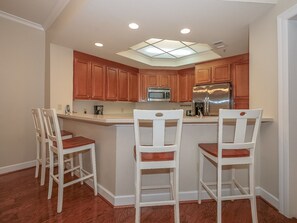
[(42, 144), (65, 147), (157, 155), (238, 151)]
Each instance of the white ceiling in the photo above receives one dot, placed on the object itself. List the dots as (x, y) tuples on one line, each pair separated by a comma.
[(78, 24)]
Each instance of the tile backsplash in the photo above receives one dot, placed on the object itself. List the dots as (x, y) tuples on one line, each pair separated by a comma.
[(118, 107)]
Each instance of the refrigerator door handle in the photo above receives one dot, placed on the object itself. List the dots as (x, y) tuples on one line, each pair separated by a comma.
[(207, 105)]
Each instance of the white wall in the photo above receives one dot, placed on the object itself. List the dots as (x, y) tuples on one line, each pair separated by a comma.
[(21, 88), (264, 90), (61, 77)]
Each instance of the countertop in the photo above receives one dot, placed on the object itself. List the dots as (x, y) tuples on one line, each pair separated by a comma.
[(128, 119)]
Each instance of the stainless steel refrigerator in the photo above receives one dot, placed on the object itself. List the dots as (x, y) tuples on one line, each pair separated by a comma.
[(208, 99)]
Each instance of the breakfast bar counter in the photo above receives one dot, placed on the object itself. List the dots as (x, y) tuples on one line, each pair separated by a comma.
[(128, 119), (114, 136)]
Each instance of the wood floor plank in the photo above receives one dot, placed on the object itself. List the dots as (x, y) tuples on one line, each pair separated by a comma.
[(22, 199)]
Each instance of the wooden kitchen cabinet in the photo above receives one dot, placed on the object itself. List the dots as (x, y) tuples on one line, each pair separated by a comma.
[(133, 87), (164, 80), (174, 88), (157, 78), (186, 82), (240, 81), (111, 93), (95, 78), (98, 81), (88, 80), (213, 72), (82, 79), (123, 86), (221, 73), (203, 74), (232, 69)]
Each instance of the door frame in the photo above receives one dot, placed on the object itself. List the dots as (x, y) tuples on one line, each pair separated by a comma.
[(283, 108)]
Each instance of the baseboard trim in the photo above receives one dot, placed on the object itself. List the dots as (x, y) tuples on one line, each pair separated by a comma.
[(16, 167), (189, 196), (271, 199), (124, 200)]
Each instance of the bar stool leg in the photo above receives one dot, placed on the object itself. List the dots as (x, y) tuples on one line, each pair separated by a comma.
[(171, 179), (51, 173), (138, 194), (219, 199), (43, 163), (232, 181), (94, 170), (61, 182), (201, 160), (176, 196), (253, 200), (71, 164), (37, 158), (80, 166)]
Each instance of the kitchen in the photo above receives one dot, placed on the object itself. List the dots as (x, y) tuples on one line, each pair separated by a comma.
[(58, 88)]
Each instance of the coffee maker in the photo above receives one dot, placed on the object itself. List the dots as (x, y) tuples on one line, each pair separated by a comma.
[(198, 109), (98, 109)]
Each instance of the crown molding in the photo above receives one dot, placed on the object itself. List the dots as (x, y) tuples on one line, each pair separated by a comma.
[(20, 20), (55, 13)]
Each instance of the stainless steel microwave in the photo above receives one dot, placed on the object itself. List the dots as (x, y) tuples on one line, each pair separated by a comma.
[(158, 94)]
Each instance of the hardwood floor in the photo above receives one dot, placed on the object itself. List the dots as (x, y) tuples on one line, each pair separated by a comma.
[(22, 199)]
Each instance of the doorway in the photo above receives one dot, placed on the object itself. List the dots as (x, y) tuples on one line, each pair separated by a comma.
[(287, 47)]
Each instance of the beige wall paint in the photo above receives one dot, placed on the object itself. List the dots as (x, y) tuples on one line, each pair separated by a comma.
[(61, 77), (21, 88), (264, 90), (292, 115)]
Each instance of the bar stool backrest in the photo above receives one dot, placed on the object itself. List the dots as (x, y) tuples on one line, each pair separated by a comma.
[(38, 124), (241, 118), (158, 118), (52, 129)]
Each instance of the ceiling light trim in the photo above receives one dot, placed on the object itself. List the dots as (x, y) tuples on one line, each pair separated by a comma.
[(156, 45), (21, 20), (157, 62)]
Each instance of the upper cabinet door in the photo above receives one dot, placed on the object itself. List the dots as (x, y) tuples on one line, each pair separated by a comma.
[(174, 87), (186, 83), (82, 79), (240, 80), (123, 80), (133, 87), (221, 73), (111, 84), (203, 75), (98, 81), (148, 80), (183, 87), (164, 80)]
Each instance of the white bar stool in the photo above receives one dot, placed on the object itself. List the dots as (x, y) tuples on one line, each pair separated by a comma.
[(241, 150), (42, 144), (157, 156), (66, 147)]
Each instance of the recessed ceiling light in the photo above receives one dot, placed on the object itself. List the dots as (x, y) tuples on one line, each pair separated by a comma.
[(133, 26), (185, 31), (99, 44)]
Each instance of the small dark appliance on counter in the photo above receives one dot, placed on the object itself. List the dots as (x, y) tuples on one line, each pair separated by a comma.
[(98, 109)]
